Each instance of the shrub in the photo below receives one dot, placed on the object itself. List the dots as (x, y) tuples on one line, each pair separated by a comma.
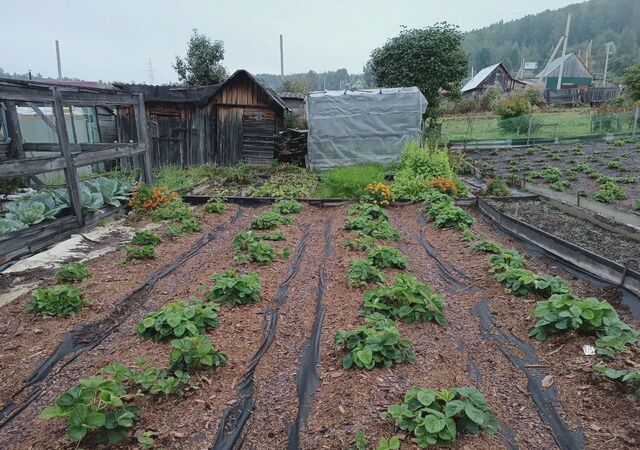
[(191, 353), (137, 254), (178, 319), (57, 301), (215, 206), (145, 237), (444, 185), (349, 181), (385, 258), (287, 207), (269, 220), (95, 405), (490, 98), (74, 271), (375, 344), (362, 271), (233, 289), (409, 300), (434, 417), (514, 112), (418, 166), (497, 187), (378, 193)]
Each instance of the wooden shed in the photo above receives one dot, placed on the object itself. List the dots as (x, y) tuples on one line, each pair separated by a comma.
[(495, 75), (223, 124)]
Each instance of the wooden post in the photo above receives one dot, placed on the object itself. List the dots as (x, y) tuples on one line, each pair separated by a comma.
[(13, 123), (635, 121), (70, 172), (143, 138), (529, 130)]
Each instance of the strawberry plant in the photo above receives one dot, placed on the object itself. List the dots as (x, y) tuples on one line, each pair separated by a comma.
[(145, 237), (521, 282), (57, 301), (376, 344), (233, 289), (441, 210), (178, 319), (627, 377), (287, 207), (362, 271), (215, 206), (137, 254), (368, 210), (145, 378), (486, 246), (436, 417), (386, 258), (506, 258), (242, 240), (270, 220), (74, 271), (194, 352), (247, 246), (174, 231), (375, 228), (95, 405), (361, 242), (276, 235), (409, 300), (190, 226)]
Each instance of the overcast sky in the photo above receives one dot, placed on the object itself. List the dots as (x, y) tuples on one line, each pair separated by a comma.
[(114, 40)]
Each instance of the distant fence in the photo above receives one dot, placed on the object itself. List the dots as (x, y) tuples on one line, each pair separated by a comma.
[(555, 127)]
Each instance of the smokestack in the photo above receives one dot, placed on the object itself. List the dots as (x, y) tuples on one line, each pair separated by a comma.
[(58, 57)]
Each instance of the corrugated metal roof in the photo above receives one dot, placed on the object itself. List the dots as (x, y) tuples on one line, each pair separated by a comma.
[(479, 77)]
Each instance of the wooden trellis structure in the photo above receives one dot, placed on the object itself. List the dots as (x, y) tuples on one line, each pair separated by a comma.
[(65, 156)]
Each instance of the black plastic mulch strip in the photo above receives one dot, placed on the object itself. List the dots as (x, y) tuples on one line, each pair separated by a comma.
[(307, 378), (234, 418), (543, 398), (444, 270), (85, 337)]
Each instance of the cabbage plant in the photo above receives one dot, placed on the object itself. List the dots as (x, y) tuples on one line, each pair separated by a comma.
[(112, 191), (10, 225)]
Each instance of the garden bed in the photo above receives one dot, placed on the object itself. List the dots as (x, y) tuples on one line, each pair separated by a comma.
[(580, 169), (307, 291)]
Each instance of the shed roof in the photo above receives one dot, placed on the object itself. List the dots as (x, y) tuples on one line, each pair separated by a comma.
[(479, 77), (573, 67)]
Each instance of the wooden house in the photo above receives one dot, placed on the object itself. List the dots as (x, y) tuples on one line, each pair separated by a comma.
[(575, 74), (222, 124), (495, 75)]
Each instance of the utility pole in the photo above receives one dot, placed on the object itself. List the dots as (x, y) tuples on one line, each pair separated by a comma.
[(606, 65), (150, 71), (564, 52), (281, 58), (58, 58)]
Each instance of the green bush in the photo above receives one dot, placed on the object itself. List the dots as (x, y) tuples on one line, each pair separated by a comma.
[(515, 112), (409, 300), (145, 237), (348, 181), (233, 289), (375, 344), (436, 417), (178, 319), (386, 258), (287, 207), (74, 271), (57, 301), (362, 271), (269, 221), (418, 166), (215, 206), (194, 352), (137, 254)]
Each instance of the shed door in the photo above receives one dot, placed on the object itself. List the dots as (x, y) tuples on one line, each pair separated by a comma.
[(169, 140), (258, 130)]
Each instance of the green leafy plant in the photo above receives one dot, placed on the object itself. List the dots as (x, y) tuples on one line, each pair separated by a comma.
[(386, 257), (146, 378), (468, 235), (588, 316), (348, 181), (190, 226), (609, 192), (194, 352), (74, 271), (409, 300), (145, 237), (375, 344), (233, 289), (111, 190), (436, 417), (270, 220), (614, 164), (521, 282), (95, 405), (361, 242), (215, 206), (174, 231), (486, 246), (178, 319), (275, 235), (137, 254), (361, 440), (393, 443), (247, 246), (57, 301), (287, 207), (447, 215), (497, 187), (367, 210), (627, 377), (146, 439), (362, 271)]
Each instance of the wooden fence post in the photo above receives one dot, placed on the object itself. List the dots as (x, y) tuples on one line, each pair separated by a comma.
[(635, 121), (70, 172), (529, 130), (143, 137), (13, 123)]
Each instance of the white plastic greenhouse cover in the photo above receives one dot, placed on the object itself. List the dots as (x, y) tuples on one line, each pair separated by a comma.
[(368, 125)]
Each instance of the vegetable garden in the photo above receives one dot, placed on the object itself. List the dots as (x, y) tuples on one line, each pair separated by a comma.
[(399, 320)]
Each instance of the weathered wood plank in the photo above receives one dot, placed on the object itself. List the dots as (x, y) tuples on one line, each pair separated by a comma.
[(143, 137), (87, 158), (15, 133), (24, 95), (32, 166)]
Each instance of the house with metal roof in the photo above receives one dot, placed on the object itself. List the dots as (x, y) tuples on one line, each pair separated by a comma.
[(496, 75), (575, 74)]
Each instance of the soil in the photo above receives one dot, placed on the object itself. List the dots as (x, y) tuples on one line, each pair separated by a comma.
[(596, 154), (583, 233), (462, 353)]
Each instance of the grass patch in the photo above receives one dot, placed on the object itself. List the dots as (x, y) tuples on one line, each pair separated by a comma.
[(349, 181)]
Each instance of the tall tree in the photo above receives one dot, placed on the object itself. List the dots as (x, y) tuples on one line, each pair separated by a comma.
[(632, 81), (430, 58), (203, 64)]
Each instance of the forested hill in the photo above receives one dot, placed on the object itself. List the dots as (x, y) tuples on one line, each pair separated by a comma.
[(534, 37)]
